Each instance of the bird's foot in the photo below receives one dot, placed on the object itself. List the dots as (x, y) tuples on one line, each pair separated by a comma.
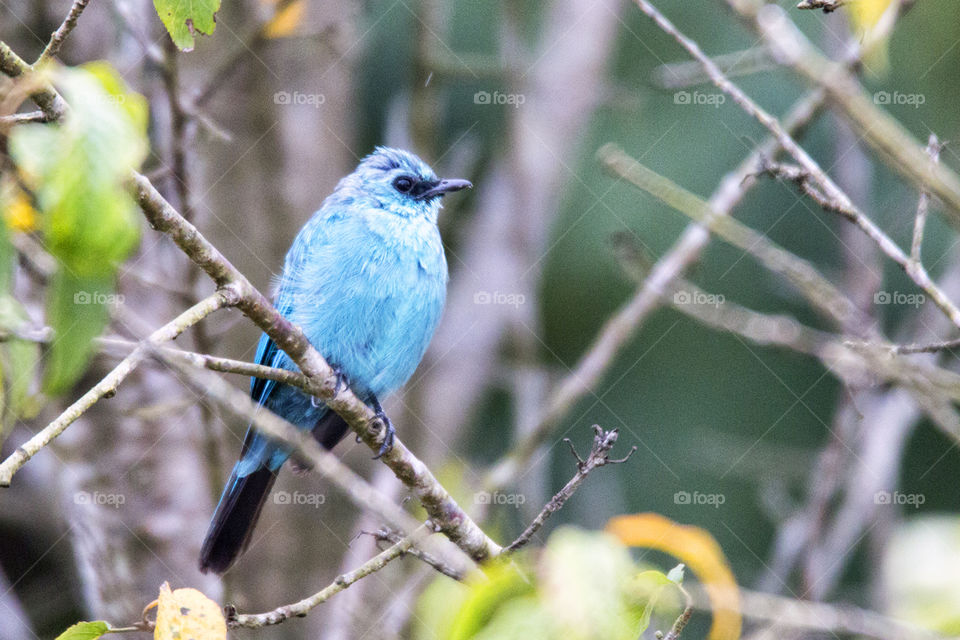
[(341, 382), (389, 431)]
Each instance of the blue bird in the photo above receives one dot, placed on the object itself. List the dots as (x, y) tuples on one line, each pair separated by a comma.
[(366, 279)]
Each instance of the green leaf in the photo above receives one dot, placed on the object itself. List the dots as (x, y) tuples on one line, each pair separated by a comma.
[(78, 171), (676, 574), (185, 18), (77, 309), (18, 361), (581, 586), (651, 584), (85, 631), (18, 358)]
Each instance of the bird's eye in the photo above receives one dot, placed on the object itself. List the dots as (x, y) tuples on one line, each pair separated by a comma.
[(403, 184)]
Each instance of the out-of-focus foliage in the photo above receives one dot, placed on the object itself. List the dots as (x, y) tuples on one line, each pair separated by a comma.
[(581, 586), (286, 20), (78, 171), (185, 18), (187, 613), (865, 16), (696, 548), (921, 573), (18, 358)]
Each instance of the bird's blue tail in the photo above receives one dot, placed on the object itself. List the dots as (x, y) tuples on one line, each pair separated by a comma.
[(236, 515)]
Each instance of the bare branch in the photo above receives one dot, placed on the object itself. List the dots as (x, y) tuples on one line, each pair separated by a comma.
[(56, 40), (599, 456), (681, 622), (303, 607), (22, 118), (819, 616), (108, 385), (914, 269), (626, 321), (895, 144), (386, 534), (804, 276), (48, 99), (923, 203)]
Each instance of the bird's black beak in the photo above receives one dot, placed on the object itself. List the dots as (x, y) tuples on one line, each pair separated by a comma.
[(440, 187)]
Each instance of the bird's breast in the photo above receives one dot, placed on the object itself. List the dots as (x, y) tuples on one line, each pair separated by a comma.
[(374, 314)]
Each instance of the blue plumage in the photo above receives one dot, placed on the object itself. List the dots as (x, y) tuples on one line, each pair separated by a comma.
[(366, 280)]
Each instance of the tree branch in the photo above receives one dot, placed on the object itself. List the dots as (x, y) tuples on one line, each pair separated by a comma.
[(303, 607), (923, 203), (626, 321), (819, 616), (56, 40), (879, 129), (386, 534), (224, 297), (599, 456), (913, 268)]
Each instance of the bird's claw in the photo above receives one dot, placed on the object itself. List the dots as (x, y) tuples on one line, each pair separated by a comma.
[(341, 382), (389, 433)]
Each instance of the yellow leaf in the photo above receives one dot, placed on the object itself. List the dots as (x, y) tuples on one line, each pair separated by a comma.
[(866, 13), (699, 551), (20, 214), (864, 17), (285, 21), (187, 614)]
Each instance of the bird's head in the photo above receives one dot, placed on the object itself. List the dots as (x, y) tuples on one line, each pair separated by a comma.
[(398, 182)]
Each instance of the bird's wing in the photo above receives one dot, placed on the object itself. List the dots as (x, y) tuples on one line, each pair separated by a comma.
[(266, 353)]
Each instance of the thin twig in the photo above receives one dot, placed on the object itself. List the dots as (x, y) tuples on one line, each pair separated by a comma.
[(56, 40), (386, 534), (23, 118), (222, 298), (935, 347), (923, 203), (599, 456), (833, 619), (681, 622), (303, 607), (895, 144), (914, 269), (47, 98)]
